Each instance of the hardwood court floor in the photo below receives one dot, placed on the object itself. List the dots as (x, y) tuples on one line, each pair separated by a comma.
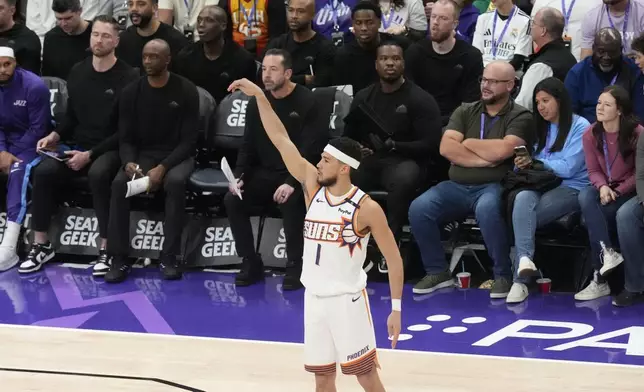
[(221, 365)]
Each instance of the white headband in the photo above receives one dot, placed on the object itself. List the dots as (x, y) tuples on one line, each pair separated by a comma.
[(342, 157), (6, 51)]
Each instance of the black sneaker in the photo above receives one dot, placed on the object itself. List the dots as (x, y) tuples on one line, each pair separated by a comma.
[(38, 255), (251, 272), (102, 263), (119, 270), (626, 298), (170, 268), (500, 288), (292, 276)]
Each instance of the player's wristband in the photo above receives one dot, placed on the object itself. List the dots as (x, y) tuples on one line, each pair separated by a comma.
[(396, 305)]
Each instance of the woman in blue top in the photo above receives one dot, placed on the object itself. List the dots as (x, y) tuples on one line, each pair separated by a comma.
[(559, 149)]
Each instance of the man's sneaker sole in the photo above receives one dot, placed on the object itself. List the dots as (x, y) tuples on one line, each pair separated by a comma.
[(441, 285), (529, 269), (37, 266)]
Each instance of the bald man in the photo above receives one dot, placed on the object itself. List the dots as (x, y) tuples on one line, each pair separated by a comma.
[(312, 53), (607, 66), (158, 117), (479, 141), (215, 61)]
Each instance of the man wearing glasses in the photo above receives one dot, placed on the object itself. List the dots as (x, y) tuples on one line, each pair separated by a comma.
[(479, 141)]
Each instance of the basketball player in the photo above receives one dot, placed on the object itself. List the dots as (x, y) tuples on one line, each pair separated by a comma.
[(339, 221)]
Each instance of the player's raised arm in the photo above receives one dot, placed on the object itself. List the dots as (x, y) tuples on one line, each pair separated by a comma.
[(299, 167)]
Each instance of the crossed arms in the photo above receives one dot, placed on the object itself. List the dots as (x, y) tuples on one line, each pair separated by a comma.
[(476, 152)]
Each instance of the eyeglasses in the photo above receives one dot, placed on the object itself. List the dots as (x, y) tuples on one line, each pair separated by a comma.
[(492, 82)]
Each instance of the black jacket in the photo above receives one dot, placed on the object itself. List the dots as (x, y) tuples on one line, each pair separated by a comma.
[(557, 56)]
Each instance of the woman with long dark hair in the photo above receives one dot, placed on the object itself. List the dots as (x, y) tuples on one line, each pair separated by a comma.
[(558, 149), (403, 17), (609, 146)]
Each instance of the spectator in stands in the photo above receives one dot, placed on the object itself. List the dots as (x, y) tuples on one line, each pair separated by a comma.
[(606, 67), (68, 42), (573, 12), (145, 28), (610, 157), (411, 117), (403, 17), (558, 148), (467, 19), (479, 141), (41, 17), (24, 42), (25, 116), (630, 230), (266, 178), (94, 86), (504, 34), (354, 61), (553, 57), (446, 67), (183, 14), (255, 22), (214, 61), (637, 48), (333, 19), (312, 53), (158, 117), (625, 16)]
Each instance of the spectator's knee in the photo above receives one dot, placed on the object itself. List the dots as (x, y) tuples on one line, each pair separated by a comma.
[(175, 184), (627, 215), (46, 169), (422, 206), (489, 204), (587, 197)]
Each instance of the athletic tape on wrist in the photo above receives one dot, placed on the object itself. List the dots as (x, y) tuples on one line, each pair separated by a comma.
[(6, 51), (342, 157), (396, 305)]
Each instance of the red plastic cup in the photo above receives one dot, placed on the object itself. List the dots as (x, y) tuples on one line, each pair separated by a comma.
[(545, 285), (464, 279)]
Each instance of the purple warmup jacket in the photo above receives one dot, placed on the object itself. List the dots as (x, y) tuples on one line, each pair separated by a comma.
[(25, 114)]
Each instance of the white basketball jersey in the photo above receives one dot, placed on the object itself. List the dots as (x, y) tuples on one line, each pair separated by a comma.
[(333, 251)]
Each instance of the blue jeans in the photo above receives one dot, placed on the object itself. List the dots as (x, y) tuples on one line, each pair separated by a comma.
[(600, 219), (449, 201), (630, 228), (533, 210)]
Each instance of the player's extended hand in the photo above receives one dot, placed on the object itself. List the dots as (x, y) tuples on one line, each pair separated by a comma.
[(393, 327), (246, 86)]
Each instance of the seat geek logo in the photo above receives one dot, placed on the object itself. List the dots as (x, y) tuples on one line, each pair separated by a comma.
[(80, 231), (219, 241), (148, 235), (237, 116)]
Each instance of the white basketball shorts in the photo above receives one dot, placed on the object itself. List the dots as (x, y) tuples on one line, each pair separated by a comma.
[(339, 329)]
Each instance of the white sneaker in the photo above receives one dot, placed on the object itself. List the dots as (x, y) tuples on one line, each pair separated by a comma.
[(526, 267), (518, 293), (610, 260), (593, 291), (8, 256)]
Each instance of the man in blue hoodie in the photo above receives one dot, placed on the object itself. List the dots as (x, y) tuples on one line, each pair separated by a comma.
[(25, 116), (607, 66)]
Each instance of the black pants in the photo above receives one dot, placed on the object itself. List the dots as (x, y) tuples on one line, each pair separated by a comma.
[(397, 175), (258, 196), (174, 186), (50, 175)]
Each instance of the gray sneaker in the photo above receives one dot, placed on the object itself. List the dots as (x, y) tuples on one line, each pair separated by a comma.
[(431, 283), (500, 288)]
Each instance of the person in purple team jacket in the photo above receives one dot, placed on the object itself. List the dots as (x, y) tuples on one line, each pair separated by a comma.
[(467, 20), (24, 119)]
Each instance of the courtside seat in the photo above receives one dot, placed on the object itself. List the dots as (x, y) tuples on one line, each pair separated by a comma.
[(58, 96)]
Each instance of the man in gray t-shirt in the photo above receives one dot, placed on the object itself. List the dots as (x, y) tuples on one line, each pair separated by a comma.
[(613, 13), (479, 142)]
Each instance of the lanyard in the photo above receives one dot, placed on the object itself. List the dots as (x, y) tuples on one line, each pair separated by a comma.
[(612, 82), (390, 16), (625, 26), (334, 13), (484, 128), (609, 165), (249, 16), (567, 13), (495, 43)]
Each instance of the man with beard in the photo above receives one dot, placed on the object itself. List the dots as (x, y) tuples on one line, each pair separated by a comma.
[(311, 52), (354, 62), (412, 118), (67, 43), (265, 178), (214, 61), (24, 42), (626, 16), (145, 28), (446, 67), (94, 86), (158, 116), (606, 67), (479, 142), (25, 117)]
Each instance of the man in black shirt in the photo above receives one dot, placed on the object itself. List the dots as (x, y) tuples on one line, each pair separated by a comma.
[(158, 117), (354, 61), (146, 27), (214, 62), (312, 53), (89, 126), (266, 178), (25, 43), (446, 67), (68, 42), (398, 155)]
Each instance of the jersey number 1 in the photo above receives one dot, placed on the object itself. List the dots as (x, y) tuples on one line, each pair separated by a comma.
[(317, 255)]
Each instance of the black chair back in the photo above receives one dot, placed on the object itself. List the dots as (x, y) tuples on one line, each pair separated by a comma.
[(227, 130), (57, 98)]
